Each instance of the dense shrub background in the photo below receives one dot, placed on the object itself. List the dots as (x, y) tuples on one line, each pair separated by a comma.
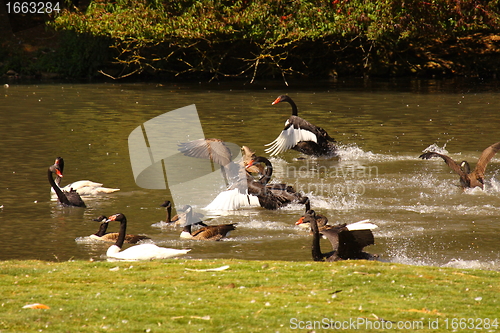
[(257, 38)]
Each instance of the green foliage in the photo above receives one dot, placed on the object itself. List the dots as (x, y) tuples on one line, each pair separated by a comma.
[(252, 37)]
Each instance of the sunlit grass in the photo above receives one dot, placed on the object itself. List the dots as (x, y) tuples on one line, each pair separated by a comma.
[(250, 296)]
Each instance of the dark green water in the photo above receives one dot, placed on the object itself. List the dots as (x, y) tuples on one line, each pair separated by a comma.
[(382, 127)]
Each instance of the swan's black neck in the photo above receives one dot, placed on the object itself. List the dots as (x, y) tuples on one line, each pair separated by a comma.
[(60, 195), (295, 112), (315, 248), (269, 169), (122, 233)]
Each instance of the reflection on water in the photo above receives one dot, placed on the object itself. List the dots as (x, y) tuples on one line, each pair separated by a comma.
[(424, 218)]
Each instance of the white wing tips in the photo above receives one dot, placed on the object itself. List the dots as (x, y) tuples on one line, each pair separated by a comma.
[(362, 225), (289, 138), (232, 200)]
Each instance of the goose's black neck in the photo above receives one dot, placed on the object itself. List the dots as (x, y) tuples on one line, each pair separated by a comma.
[(169, 214), (187, 228), (189, 217), (102, 230), (465, 167)]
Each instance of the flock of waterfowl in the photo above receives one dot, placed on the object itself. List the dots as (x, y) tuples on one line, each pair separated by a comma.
[(248, 185)]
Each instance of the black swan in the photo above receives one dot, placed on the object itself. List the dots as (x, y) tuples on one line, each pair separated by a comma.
[(71, 198), (138, 252), (207, 232), (113, 236), (83, 187), (301, 135), (348, 240), (468, 179)]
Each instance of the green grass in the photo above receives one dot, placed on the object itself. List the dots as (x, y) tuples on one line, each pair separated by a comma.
[(250, 296)]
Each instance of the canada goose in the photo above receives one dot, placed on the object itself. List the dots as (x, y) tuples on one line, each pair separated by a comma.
[(348, 240), (468, 179), (138, 252), (71, 198), (178, 219), (207, 232), (83, 187), (301, 135), (113, 236)]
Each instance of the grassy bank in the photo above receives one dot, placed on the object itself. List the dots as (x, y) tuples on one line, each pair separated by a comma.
[(249, 296)]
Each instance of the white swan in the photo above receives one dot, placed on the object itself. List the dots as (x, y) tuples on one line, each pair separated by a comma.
[(83, 187), (138, 252)]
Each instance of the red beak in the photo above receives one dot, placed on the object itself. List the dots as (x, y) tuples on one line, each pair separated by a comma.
[(300, 221), (276, 101), (249, 164), (58, 172)]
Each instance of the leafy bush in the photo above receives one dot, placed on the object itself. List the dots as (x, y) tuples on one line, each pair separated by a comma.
[(257, 37)]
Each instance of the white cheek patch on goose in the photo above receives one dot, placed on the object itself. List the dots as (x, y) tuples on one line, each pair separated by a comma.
[(289, 138)]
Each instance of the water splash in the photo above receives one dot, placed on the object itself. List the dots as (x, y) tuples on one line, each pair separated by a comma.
[(472, 264), (351, 152), (435, 148)]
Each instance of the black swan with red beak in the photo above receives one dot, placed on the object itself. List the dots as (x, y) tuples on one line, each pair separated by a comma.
[(301, 135), (66, 198)]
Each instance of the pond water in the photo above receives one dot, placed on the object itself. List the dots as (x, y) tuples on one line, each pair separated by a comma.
[(381, 127)]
